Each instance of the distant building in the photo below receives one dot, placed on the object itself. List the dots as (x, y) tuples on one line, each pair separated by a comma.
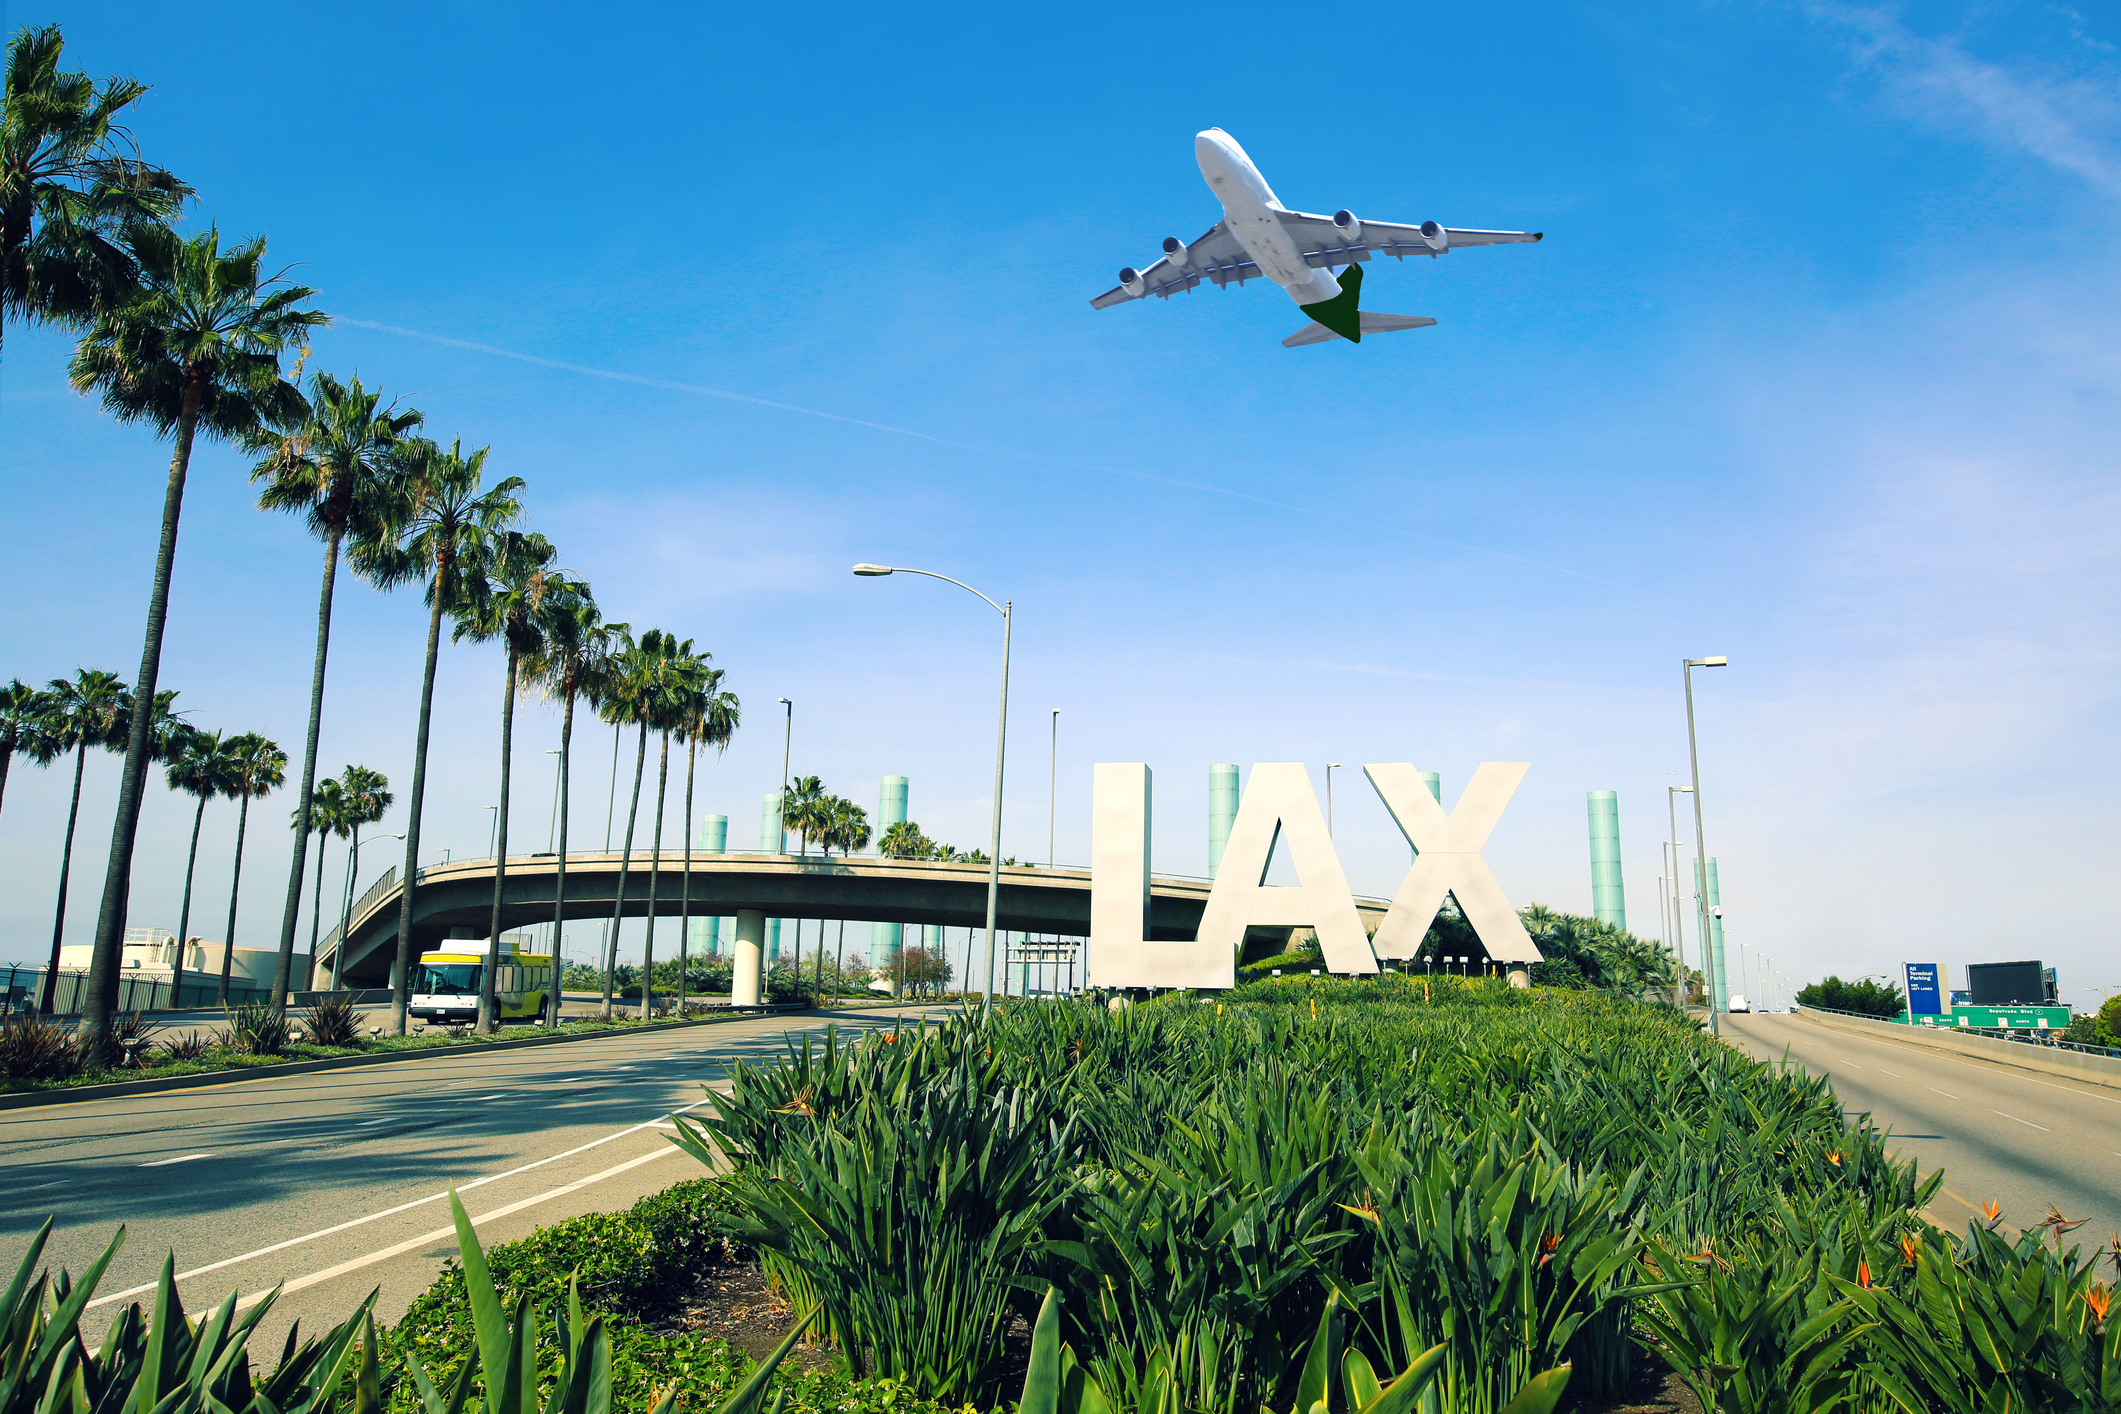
[(151, 954)]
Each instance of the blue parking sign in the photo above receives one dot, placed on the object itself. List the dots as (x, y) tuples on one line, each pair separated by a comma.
[(1924, 997)]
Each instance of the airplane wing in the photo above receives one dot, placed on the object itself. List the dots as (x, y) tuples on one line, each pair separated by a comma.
[(1215, 256), (1325, 245)]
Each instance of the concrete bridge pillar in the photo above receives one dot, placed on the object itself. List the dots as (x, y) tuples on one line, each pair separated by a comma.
[(748, 980)]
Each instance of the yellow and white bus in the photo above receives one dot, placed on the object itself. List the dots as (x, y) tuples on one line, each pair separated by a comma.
[(445, 988)]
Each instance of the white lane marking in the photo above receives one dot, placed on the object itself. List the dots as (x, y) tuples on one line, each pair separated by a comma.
[(1991, 1067), (2026, 1122), (1935, 1091), (180, 1159), (35, 1186), (430, 1238), (474, 1099), (1883, 1071), (1849, 1063), (387, 1212)]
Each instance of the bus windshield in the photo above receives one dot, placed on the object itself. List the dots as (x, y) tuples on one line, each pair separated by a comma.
[(447, 979)]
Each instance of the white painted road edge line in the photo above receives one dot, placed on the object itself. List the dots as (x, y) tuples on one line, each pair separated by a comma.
[(2026, 1122), (429, 1238), (1935, 1091), (165, 1163), (387, 1212)]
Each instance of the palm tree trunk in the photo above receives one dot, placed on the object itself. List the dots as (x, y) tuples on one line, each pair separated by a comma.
[(191, 862), (655, 876), (839, 965), (618, 905), (401, 975), (7, 756), (353, 879), (235, 889), (66, 866), (316, 912), (559, 887), (611, 802), (692, 758), (106, 962), (489, 1017), (293, 913)]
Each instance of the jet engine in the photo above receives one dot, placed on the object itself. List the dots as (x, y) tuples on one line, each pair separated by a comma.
[(1438, 238), (1350, 228), (1130, 280), (1175, 252)]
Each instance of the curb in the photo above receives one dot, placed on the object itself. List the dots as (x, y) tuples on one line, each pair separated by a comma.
[(81, 1094)]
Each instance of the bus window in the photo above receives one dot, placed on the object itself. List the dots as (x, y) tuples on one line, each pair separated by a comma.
[(448, 979)]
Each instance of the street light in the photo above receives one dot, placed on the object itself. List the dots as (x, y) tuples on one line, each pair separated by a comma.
[(553, 825), (493, 829), (1331, 767), (1678, 920), (1053, 789), (780, 843), (1001, 745), (338, 955), (1701, 848)]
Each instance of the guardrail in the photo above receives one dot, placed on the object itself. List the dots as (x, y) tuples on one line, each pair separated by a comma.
[(2024, 1035)]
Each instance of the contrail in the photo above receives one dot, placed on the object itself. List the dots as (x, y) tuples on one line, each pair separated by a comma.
[(727, 396)]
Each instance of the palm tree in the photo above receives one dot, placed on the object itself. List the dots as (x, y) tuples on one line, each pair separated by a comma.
[(634, 695), (711, 715), (205, 768), (69, 178), (333, 470), (437, 505), (327, 816), (805, 809), (572, 662), (684, 674), (903, 840), (845, 827), (21, 707), (507, 599), (365, 795), (258, 768), (86, 710), (194, 347)]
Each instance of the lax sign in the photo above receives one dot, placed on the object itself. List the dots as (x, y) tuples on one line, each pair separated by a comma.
[(1278, 803)]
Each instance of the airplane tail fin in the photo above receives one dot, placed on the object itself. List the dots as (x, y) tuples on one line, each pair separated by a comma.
[(1370, 322), (1339, 313)]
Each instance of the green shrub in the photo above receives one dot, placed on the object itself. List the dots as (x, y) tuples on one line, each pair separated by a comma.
[(32, 1048), (1864, 998)]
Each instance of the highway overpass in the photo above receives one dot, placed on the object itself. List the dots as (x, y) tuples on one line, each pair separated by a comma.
[(459, 895)]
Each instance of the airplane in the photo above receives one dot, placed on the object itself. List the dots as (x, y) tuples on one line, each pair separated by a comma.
[(1297, 251)]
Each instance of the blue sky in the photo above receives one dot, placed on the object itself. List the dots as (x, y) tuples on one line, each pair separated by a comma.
[(1817, 368)]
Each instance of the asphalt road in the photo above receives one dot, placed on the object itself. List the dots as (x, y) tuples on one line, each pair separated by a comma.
[(2023, 1140), (334, 1183)]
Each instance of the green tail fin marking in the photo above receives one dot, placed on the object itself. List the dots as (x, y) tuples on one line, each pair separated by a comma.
[(1338, 313)]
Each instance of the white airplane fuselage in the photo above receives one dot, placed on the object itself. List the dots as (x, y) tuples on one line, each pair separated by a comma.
[(1249, 207)]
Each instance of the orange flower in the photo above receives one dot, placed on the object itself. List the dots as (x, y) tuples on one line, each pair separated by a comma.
[(1907, 1251), (1547, 1245), (1863, 1274), (1833, 1156), (1991, 1211), (2100, 1298)]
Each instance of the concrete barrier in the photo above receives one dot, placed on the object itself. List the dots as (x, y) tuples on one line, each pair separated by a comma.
[(2024, 1055)]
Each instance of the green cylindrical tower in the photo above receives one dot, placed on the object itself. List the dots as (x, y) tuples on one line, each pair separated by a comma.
[(772, 838), (1222, 811), (1723, 976), (885, 939), (1608, 896), (705, 935), (1434, 782)]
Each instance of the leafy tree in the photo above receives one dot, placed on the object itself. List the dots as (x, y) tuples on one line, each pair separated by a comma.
[(70, 181), (572, 662), (683, 677), (205, 768), (85, 710), (259, 767), (805, 809), (638, 693), (332, 469), (192, 347), (510, 598), (708, 715), (1865, 998), (437, 506), (845, 826)]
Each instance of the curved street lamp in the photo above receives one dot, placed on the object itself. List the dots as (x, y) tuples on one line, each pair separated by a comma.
[(1714, 970), (1001, 745)]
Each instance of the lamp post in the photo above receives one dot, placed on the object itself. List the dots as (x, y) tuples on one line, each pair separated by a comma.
[(1053, 788), (552, 825), (493, 828), (338, 954), (1701, 849), (1331, 767), (780, 831), (1001, 745), (1678, 920)]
